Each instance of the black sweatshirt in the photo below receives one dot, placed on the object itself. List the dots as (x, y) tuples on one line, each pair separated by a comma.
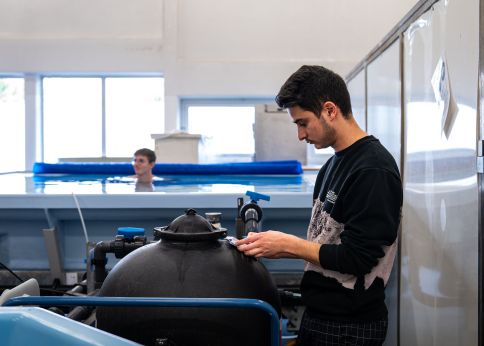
[(356, 215)]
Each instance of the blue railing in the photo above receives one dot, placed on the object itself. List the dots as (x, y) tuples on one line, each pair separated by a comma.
[(157, 302)]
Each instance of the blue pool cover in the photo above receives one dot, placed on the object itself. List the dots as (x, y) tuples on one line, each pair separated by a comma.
[(260, 167)]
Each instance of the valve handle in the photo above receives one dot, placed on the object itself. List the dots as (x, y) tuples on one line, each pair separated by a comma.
[(255, 196)]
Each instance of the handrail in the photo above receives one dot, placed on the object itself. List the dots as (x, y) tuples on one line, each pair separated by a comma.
[(157, 302)]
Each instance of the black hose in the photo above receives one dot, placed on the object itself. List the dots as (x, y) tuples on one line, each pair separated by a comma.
[(80, 313)]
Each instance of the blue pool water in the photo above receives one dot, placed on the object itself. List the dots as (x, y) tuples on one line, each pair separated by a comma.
[(20, 183)]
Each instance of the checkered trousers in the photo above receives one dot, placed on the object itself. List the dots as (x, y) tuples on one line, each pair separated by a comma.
[(317, 332)]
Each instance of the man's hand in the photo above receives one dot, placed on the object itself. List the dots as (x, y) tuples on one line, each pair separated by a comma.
[(275, 244)]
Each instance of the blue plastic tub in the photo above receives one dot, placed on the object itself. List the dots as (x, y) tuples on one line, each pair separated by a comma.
[(40, 327)]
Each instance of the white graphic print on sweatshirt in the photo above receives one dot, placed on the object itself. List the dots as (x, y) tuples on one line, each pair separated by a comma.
[(325, 230)]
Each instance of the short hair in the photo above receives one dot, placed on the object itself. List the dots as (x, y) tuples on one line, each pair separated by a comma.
[(310, 86), (150, 154)]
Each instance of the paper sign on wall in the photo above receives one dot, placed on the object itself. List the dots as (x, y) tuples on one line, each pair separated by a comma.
[(443, 96)]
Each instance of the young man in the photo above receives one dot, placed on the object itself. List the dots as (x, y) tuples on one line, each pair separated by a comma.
[(351, 239), (143, 162)]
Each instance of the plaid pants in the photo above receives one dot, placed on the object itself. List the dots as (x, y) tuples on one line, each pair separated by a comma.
[(317, 332)]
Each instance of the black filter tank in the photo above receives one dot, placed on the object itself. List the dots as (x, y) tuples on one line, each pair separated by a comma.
[(190, 260)]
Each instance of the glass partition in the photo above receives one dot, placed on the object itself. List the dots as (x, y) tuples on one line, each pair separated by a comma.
[(384, 122), (439, 288), (356, 87)]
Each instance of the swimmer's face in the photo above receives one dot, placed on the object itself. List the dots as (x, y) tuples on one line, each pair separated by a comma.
[(142, 165)]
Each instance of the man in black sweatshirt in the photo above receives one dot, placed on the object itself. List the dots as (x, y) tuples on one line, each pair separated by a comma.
[(352, 235)]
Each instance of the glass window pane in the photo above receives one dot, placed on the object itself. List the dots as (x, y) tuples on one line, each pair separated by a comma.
[(226, 131), (134, 111), (72, 117), (12, 124)]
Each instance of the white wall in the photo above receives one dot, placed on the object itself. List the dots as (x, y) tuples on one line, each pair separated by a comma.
[(206, 48)]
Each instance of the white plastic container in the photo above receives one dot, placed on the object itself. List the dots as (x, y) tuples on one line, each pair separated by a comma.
[(179, 147)]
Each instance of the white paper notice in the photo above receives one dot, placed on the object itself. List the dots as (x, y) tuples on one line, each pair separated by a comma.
[(443, 96)]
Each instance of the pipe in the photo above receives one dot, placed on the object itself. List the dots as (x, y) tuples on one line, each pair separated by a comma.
[(80, 313), (251, 214), (79, 288), (99, 260), (251, 221), (120, 247)]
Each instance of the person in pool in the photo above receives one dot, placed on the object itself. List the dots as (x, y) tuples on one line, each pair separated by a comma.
[(143, 162)]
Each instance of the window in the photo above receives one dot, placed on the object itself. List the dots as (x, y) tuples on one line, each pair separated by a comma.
[(134, 110), (72, 117), (226, 126), (12, 129), (100, 116)]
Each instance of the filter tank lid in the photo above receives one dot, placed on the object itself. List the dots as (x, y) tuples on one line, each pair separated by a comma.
[(190, 227)]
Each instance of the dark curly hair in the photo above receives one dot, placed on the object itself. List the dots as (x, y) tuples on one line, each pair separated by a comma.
[(310, 86)]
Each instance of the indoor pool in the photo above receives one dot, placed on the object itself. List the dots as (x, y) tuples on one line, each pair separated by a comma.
[(20, 183), (87, 183), (116, 178), (86, 207)]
